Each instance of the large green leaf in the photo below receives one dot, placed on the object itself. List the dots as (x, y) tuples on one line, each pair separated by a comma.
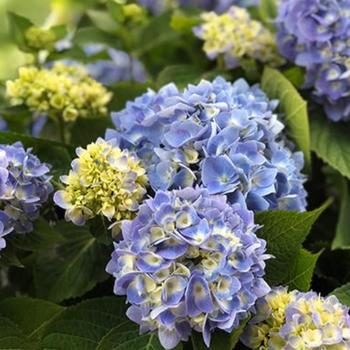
[(343, 294), (127, 336), (42, 237), (342, 235), (126, 90), (285, 231), (156, 33), (96, 324), (268, 12), (181, 75), (292, 106), (74, 267), (302, 270), (22, 321), (103, 20), (220, 339), (85, 131), (331, 143)]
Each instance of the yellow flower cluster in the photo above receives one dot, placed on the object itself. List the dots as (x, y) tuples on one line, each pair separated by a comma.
[(263, 333), (103, 180), (298, 321), (63, 90), (39, 38), (235, 35)]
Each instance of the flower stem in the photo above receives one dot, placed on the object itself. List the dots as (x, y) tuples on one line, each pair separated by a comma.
[(61, 128)]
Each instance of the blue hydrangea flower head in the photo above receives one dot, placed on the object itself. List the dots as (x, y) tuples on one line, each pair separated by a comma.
[(120, 66), (24, 187), (220, 135), (294, 320), (319, 41), (189, 260)]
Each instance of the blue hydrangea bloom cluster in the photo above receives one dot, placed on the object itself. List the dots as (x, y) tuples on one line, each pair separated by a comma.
[(3, 124), (220, 135), (24, 187), (219, 6), (319, 41), (120, 66), (189, 260), (294, 320)]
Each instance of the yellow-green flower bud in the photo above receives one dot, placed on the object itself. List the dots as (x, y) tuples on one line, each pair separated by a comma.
[(104, 180), (66, 91), (39, 38)]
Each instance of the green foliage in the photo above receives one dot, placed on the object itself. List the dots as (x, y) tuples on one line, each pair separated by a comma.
[(85, 131), (42, 237), (330, 141), (285, 233), (181, 75), (97, 324), (268, 12), (23, 320), (292, 106), (343, 294), (300, 274), (342, 234), (18, 26), (73, 267), (220, 339)]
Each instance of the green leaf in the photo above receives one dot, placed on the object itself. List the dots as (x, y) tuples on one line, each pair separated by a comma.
[(296, 75), (292, 106), (18, 25), (184, 24), (220, 339), (85, 131), (60, 31), (23, 319), (181, 75), (125, 91), (73, 268), (103, 20), (9, 256), (54, 153), (331, 142), (41, 238), (156, 33), (343, 294), (300, 275), (96, 324), (342, 236), (127, 336), (285, 231), (86, 35), (268, 12)]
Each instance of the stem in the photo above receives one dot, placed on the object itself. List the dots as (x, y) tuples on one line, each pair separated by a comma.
[(61, 128), (221, 63)]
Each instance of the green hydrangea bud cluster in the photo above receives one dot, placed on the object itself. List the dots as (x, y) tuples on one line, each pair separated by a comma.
[(39, 38), (61, 91)]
